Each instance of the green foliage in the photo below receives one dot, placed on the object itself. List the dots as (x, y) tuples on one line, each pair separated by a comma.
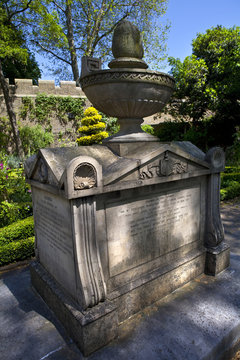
[(14, 69), (232, 169), (230, 192), (172, 130), (92, 128), (230, 183), (47, 106), (15, 193), (34, 138), (16, 251), (148, 129), (11, 40), (112, 126), (13, 211), (233, 152), (209, 80), (13, 186), (18, 230)]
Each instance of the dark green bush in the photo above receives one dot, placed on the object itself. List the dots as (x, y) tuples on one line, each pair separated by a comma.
[(227, 178), (172, 131), (18, 230), (231, 169), (230, 183), (16, 251), (230, 192)]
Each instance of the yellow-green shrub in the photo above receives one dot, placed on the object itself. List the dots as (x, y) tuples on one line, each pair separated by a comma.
[(92, 128)]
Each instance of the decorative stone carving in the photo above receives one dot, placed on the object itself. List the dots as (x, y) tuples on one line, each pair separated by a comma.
[(142, 76), (84, 177), (165, 167), (42, 171), (90, 64), (216, 158), (91, 284), (169, 166)]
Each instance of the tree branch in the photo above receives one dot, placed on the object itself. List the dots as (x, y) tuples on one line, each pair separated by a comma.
[(99, 38), (58, 6), (51, 52), (20, 11)]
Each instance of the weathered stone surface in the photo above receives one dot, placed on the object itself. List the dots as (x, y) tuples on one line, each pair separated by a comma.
[(127, 41), (54, 237), (91, 329), (217, 259), (144, 229), (117, 233)]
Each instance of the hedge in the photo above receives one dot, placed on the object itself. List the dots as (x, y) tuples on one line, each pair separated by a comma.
[(231, 169), (231, 191), (230, 177), (16, 251), (18, 230), (230, 183)]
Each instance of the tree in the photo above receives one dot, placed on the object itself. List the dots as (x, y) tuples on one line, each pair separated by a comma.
[(15, 69), (10, 47), (209, 79), (67, 29)]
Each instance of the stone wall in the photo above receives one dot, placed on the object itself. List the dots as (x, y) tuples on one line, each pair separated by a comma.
[(25, 87)]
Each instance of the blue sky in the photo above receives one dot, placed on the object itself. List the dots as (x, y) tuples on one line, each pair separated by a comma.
[(188, 17)]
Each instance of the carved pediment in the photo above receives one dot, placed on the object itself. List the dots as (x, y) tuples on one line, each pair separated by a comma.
[(167, 161)]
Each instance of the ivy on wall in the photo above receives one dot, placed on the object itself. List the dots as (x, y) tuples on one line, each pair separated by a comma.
[(45, 107)]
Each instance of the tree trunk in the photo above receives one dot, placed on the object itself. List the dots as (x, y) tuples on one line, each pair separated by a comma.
[(71, 44), (11, 113)]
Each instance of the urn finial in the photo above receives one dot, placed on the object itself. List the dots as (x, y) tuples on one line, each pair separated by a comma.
[(127, 47)]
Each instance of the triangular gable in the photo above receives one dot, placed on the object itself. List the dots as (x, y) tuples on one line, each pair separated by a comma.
[(169, 159)]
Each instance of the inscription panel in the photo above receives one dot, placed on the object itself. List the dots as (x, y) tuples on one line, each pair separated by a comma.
[(54, 237), (142, 230)]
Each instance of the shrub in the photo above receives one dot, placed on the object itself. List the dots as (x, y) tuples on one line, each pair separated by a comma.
[(16, 251), (92, 128), (13, 186), (148, 129), (233, 152), (34, 138), (112, 126), (230, 192), (171, 130), (13, 211), (230, 183), (20, 229)]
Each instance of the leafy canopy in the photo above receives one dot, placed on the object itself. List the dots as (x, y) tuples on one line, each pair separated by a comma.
[(11, 40), (68, 29), (209, 79)]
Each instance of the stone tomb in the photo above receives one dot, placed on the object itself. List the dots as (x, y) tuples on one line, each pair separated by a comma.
[(117, 230)]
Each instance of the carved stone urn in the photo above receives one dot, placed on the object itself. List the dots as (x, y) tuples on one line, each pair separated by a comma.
[(127, 90)]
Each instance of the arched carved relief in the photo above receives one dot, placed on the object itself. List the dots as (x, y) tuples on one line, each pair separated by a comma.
[(84, 177)]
